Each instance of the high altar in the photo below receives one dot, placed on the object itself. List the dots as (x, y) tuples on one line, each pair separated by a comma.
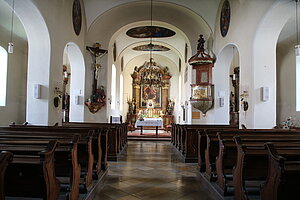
[(150, 96)]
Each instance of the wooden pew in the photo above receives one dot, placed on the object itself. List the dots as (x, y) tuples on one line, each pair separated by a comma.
[(220, 153), (252, 162), (5, 158), (283, 173), (66, 159), (100, 139), (187, 142), (117, 136), (32, 172), (78, 150)]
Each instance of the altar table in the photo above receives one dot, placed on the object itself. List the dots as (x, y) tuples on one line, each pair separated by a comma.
[(149, 122)]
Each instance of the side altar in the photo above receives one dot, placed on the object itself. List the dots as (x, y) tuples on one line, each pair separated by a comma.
[(150, 95)]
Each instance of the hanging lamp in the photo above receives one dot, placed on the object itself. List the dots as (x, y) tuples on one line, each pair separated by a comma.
[(10, 48)]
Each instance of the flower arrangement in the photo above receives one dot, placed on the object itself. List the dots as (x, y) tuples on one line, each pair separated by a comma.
[(288, 124)]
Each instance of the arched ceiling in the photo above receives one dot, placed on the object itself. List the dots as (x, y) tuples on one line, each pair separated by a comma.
[(125, 44), (207, 9), (112, 25)]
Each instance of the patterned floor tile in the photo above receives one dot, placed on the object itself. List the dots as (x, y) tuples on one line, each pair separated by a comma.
[(151, 170)]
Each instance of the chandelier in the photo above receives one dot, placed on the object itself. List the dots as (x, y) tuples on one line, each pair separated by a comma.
[(151, 74)]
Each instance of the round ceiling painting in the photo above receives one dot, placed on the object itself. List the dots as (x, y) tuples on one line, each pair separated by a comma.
[(149, 31), (76, 16), (152, 47), (225, 18)]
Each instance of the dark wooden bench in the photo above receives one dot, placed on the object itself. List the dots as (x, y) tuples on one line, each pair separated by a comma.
[(31, 172), (85, 153), (283, 173), (5, 158), (251, 166), (99, 141), (66, 160), (117, 136), (186, 140), (226, 157)]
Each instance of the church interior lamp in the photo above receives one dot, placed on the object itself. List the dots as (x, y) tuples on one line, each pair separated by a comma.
[(10, 48), (203, 90), (98, 97)]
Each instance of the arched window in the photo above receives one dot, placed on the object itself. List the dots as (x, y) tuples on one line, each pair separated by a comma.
[(3, 75), (121, 92), (113, 87)]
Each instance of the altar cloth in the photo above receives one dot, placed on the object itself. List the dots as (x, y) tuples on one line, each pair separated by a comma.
[(150, 122)]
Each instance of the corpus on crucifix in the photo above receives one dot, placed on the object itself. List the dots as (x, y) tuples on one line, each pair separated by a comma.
[(96, 54)]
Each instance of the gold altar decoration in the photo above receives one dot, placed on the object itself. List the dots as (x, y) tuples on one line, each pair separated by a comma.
[(202, 92), (150, 82), (150, 86)]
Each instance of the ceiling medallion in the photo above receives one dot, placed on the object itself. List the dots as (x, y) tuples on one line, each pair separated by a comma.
[(150, 32), (225, 18), (76, 16), (153, 47)]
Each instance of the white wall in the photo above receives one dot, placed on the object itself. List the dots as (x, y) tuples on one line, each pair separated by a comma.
[(15, 108), (254, 29), (286, 81)]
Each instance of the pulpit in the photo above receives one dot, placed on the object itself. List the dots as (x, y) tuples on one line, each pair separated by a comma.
[(202, 91)]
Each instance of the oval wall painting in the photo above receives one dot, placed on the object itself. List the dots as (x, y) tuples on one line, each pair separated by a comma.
[(225, 18), (76, 16)]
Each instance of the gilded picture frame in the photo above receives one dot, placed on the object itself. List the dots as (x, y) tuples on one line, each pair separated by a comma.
[(150, 93)]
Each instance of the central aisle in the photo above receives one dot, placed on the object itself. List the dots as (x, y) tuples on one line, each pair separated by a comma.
[(150, 170)]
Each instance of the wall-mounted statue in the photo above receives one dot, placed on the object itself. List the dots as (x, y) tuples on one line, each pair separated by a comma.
[(97, 100)]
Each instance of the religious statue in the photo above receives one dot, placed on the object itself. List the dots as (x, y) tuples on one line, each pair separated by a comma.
[(232, 102), (140, 116), (170, 107), (99, 96), (200, 46), (133, 106), (130, 107), (150, 107), (97, 54)]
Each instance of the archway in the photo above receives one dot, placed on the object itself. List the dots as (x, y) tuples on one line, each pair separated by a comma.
[(77, 81), (228, 59)]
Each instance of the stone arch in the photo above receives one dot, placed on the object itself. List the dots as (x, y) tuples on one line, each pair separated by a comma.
[(221, 80), (77, 82)]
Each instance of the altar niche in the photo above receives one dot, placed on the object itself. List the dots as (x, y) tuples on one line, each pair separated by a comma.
[(150, 84)]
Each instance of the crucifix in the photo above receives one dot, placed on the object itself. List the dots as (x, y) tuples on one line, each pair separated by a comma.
[(96, 54)]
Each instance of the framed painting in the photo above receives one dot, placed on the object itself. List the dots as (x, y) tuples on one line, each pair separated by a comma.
[(200, 92), (150, 93)]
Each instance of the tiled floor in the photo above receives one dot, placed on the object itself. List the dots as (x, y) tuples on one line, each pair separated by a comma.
[(151, 170)]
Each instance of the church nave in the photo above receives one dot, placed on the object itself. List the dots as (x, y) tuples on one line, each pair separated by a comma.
[(151, 170)]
